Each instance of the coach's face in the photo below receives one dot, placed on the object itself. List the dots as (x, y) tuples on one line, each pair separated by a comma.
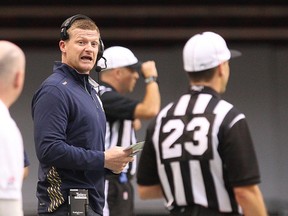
[(80, 51)]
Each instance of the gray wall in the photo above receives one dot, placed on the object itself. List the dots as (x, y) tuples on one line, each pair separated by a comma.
[(257, 87)]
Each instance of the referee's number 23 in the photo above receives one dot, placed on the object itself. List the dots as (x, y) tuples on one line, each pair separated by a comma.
[(198, 128)]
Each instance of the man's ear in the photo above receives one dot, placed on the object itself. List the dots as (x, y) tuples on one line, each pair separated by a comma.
[(221, 69), (18, 79), (117, 73), (62, 46)]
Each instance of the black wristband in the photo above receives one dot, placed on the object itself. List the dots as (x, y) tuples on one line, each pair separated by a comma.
[(150, 79)]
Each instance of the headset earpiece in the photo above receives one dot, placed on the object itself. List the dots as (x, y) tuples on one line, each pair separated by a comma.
[(100, 50), (67, 24)]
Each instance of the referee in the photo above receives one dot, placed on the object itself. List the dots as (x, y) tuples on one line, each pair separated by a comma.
[(124, 115), (199, 153)]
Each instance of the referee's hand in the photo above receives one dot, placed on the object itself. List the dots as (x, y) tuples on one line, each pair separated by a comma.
[(117, 158), (149, 69)]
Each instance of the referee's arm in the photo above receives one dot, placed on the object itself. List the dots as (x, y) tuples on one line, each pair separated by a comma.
[(150, 192), (148, 181), (251, 200), (150, 105), (240, 153)]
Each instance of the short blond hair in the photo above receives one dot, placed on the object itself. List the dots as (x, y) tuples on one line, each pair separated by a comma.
[(85, 24)]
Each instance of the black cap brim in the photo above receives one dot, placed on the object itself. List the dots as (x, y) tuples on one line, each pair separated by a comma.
[(137, 66), (235, 53)]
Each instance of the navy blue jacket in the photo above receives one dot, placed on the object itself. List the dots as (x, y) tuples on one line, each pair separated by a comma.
[(69, 134)]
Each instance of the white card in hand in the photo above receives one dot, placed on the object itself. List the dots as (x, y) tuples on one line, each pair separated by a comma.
[(136, 147)]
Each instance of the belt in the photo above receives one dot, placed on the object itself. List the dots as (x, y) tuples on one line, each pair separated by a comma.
[(122, 177)]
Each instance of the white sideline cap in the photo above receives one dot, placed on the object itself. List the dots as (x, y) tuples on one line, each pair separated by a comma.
[(118, 56), (205, 51)]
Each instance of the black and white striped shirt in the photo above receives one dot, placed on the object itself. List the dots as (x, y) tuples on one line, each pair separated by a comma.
[(119, 112), (199, 148)]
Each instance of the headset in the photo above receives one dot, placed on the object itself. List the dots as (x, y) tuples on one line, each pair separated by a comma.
[(67, 24)]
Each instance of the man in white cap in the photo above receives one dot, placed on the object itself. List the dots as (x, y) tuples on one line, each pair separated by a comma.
[(12, 74), (198, 153), (122, 70)]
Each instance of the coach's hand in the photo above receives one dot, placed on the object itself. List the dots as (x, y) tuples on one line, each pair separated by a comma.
[(117, 158)]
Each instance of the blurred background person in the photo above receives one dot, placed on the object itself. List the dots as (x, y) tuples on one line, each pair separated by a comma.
[(119, 77), (26, 165), (12, 75)]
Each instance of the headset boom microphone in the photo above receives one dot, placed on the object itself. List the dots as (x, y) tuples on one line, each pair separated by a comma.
[(98, 68)]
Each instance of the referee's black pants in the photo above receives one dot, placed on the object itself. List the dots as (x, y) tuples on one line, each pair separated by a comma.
[(197, 210)]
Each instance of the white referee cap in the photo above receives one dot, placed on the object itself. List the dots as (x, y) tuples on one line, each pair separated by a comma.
[(205, 51), (118, 56)]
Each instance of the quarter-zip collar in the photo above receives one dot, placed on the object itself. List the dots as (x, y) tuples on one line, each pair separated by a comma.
[(83, 79)]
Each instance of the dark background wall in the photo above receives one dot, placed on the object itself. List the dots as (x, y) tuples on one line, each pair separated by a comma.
[(159, 31)]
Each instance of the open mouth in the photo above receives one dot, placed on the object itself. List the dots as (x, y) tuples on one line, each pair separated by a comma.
[(86, 58)]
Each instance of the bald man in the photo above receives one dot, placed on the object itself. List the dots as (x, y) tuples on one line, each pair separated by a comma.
[(12, 73)]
